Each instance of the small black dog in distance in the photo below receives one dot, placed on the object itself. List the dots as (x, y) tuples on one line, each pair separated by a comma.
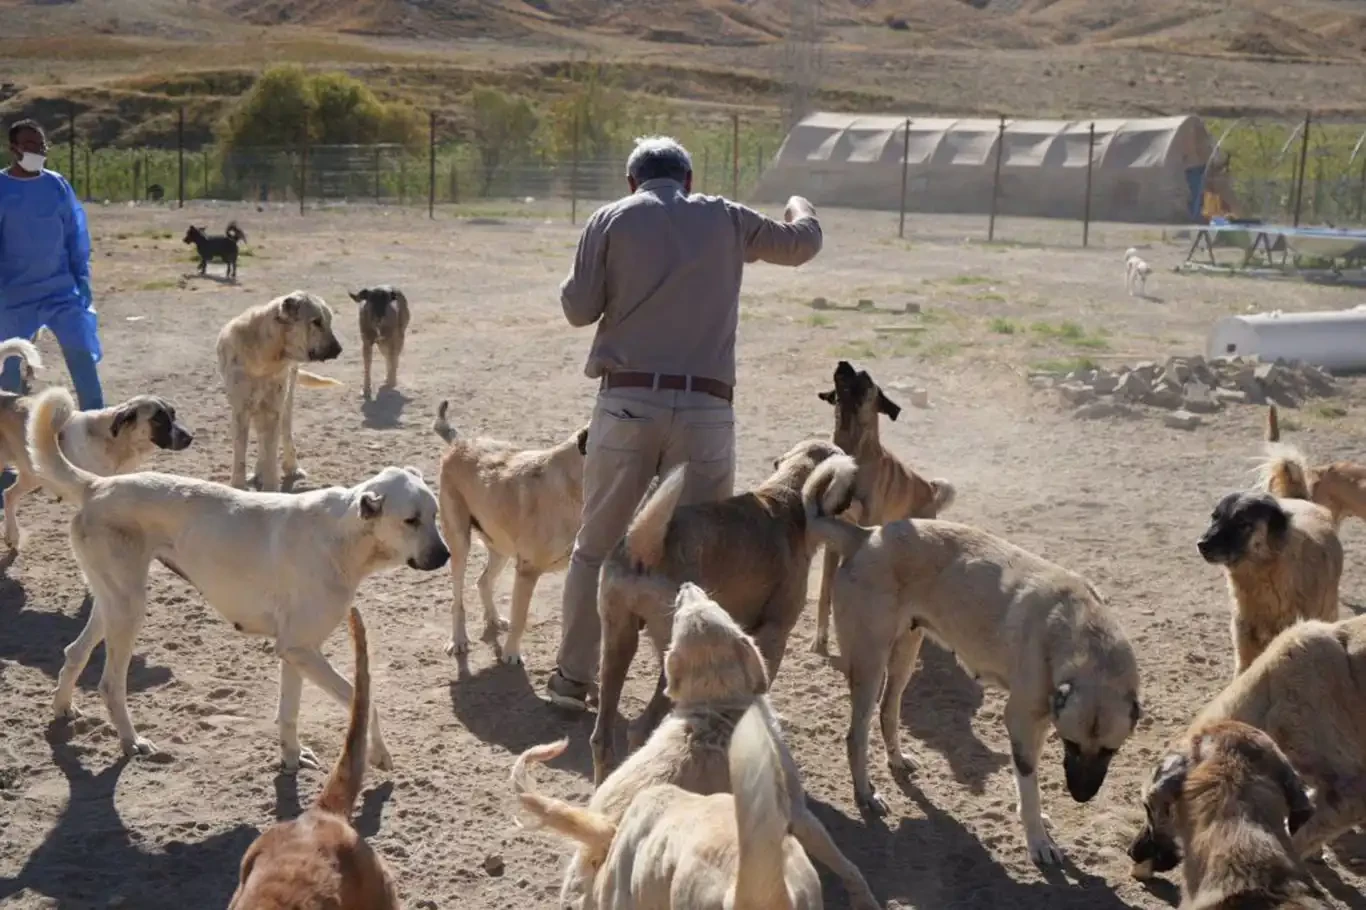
[(222, 247)]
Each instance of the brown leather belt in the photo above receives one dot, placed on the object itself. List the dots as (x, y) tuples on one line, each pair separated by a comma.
[(669, 382)]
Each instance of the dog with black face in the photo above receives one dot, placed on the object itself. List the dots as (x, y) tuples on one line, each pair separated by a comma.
[(886, 490), (108, 441), (222, 247), (1225, 805), (383, 315), (1283, 560)]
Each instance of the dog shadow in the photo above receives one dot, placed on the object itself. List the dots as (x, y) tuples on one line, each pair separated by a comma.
[(935, 861), (937, 709), (89, 858), (1356, 608), (1151, 298), (383, 412), (498, 705), (207, 276), (36, 639)]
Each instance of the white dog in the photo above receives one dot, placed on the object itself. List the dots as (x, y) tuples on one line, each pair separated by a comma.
[(275, 565), (1136, 272)]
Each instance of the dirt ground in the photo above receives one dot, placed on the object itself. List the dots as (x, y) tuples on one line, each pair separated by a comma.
[(1121, 501)]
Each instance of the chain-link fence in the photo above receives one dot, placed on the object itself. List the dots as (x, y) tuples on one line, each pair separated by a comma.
[(1294, 172)]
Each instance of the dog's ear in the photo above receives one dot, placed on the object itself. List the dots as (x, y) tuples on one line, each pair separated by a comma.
[(1168, 781), (829, 397), (289, 308), (416, 472), (887, 406), (1060, 696), (371, 505), (582, 440), (752, 662), (123, 418), (1297, 799), (360, 295)]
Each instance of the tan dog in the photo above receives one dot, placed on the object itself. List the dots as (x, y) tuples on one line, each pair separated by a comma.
[(1340, 486), (1013, 619), (525, 505), (887, 490), (1306, 692), (752, 552), (1226, 796), (109, 441), (715, 677), (259, 353), (318, 859), (383, 318), (1283, 560)]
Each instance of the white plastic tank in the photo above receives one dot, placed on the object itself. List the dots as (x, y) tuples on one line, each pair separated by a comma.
[(1334, 340)]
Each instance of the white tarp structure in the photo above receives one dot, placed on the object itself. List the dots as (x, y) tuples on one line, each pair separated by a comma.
[(1143, 170)]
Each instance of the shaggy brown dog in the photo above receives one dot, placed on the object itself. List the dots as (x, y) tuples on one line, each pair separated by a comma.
[(318, 860), (1227, 796), (751, 552), (1283, 560), (1340, 487), (886, 489)]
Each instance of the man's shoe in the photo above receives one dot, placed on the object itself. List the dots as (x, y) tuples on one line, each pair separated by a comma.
[(563, 692)]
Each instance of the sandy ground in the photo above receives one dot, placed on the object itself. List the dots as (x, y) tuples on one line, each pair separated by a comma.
[(1120, 501)]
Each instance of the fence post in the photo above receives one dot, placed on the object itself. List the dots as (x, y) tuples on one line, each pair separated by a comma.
[(402, 180), (574, 175), (146, 174), (133, 176), (1090, 165), (89, 193), (706, 166), (180, 157), (905, 165), (735, 156), (303, 171), (205, 155), (71, 139), (1304, 155), (431, 166), (996, 178)]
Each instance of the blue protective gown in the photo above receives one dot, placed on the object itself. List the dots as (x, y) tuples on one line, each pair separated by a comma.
[(45, 262)]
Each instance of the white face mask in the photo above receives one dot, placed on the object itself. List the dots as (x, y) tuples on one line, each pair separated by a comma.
[(31, 162)]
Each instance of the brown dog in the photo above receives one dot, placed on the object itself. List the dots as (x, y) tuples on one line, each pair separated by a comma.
[(384, 322), (318, 859), (1305, 691), (751, 552), (1340, 487), (886, 490), (1226, 796), (525, 505), (716, 679), (1283, 560)]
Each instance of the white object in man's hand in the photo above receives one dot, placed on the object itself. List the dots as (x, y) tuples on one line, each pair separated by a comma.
[(797, 207)]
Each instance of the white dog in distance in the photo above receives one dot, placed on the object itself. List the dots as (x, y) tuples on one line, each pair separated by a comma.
[(1136, 273)]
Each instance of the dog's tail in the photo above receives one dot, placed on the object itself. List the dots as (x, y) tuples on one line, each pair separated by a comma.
[(24, 350), (762, 812), (645, 535), (944, 494), (441, 426), (1284, 473), (827, 493), (589, 828), (343, 784), (52, 408), (309, 380), (235, 233)]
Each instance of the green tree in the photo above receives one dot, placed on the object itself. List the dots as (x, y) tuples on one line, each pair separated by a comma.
[(503, 127), (592, 115)]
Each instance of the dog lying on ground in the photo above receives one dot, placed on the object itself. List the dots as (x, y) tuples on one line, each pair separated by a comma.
[(1013, 619), (1226, 795), (1283, 561), (752, 552), (886, 490), (259, 352), (383, 315), (1305, 691), (109, 441), (221, 247), (274, 565), (1136, 273), (525, 505), (660, 802), (318, 859), (1340, 487)]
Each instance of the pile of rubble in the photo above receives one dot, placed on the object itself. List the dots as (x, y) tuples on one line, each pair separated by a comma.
[(1186, 387)]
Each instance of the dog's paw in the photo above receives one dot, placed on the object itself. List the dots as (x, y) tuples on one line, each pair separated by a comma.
[(1043, 850), (457, 646), (66, 712), (294, 474), (873, 804), (492, 629), (138, 745), (821, 646), (511, 658), (902, 763), (291, 763)]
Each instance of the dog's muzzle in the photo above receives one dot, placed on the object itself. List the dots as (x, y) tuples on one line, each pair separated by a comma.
[(1210, 551), (329, 352), (1156, 852), (431, 559), (1085, 774), (180, 439)]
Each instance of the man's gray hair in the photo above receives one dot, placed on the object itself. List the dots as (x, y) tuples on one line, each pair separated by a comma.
[(656, 157)]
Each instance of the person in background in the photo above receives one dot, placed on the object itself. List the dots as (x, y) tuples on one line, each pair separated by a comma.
[(45, 267), (659, 272)]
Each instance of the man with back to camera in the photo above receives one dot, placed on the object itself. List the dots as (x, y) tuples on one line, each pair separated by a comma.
[(659, 271)]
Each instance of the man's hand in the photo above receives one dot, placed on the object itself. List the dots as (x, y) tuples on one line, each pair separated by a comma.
[(797, 207)]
